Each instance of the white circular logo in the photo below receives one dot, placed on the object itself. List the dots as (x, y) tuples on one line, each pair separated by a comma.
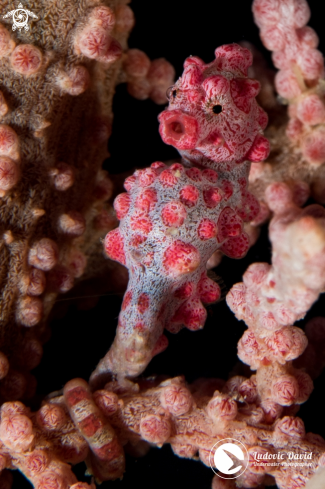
[(20, 18), (229, 457)]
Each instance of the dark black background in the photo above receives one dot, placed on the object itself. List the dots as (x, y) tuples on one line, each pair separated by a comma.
[(173, 29)]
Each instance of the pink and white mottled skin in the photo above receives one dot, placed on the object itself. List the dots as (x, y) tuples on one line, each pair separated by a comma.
[(173, 219), (213, 118), (272, 297)]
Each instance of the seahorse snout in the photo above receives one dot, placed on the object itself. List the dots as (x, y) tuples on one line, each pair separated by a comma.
[(178, 129)]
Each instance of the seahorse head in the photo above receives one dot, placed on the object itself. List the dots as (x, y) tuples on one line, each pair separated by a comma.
[(213, 116)]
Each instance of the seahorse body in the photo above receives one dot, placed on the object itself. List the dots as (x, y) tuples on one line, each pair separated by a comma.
[(172, 219)]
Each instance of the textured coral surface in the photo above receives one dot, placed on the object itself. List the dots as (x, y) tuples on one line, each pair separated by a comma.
[(53, 137), (190, 418), (211, 352)]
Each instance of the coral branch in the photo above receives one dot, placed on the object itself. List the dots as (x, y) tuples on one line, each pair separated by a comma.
[(55, 111), (300, 83), (273, 297), (191, 418)]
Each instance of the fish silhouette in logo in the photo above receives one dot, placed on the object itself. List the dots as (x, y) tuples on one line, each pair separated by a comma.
[(228, 458)]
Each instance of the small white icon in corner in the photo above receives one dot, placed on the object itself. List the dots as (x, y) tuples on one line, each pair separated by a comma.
[(229, 457), (20, 17)]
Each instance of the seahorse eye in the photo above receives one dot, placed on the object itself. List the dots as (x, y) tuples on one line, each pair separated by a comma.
[(217, 109)]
